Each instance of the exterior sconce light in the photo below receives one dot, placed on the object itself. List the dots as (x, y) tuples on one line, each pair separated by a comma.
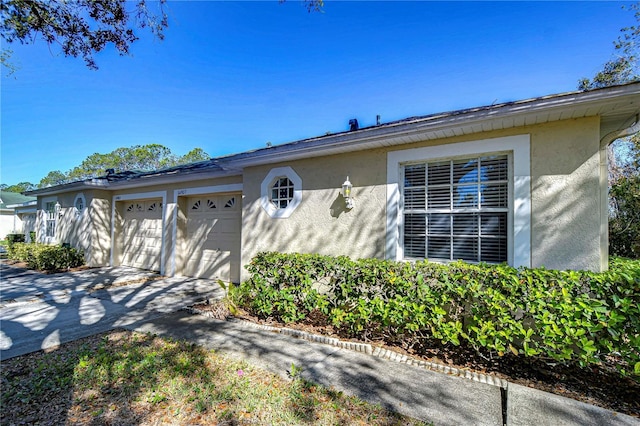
[(346, 193), (57, 209)]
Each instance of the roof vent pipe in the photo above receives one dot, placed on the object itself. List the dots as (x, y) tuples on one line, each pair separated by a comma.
[(378, 120), (353, 124)]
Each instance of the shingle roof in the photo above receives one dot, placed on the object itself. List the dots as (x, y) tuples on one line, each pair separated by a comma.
[(12, 198)]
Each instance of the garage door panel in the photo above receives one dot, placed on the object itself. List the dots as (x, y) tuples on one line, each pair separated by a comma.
[(142, 234), (212, 245)]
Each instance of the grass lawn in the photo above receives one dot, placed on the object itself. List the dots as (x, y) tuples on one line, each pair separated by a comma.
[(124, 377)]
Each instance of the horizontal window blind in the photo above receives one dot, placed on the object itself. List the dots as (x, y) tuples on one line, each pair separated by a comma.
[(457, 209)]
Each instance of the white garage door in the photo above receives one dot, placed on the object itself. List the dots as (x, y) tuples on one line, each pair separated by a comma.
[(212, 246), (142, 234)]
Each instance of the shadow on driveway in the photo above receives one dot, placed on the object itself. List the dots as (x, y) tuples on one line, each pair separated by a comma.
[(40, 311)]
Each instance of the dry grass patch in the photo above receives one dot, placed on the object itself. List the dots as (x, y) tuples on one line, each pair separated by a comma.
[(123, 378)]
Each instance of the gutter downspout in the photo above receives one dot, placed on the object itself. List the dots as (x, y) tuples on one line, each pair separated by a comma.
[(605, 141)]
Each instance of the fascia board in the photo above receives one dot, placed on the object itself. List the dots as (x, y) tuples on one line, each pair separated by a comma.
[(171, 179), (25, 204), (59, 189)]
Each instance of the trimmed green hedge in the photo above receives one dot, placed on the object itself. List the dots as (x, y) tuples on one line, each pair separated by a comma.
[(564, 316), (15, 238), (46, 257)]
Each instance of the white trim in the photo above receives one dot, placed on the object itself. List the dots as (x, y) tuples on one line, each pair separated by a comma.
[(43, 205), (265, 192), (519, 148), (80, 196), (173, 213), (140, 196)]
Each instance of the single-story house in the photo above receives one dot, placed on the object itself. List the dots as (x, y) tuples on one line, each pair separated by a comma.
[(522, 182), (17, 214)]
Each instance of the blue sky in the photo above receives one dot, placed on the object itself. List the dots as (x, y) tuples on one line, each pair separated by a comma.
[(232, 76)]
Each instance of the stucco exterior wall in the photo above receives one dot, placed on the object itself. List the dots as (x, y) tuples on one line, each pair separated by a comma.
[(567, 185), (99, 211), (321, 223), (566, 188), (566, 194), (9, 223)]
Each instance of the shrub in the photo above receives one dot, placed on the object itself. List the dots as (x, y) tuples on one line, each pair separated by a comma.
[(566, 316), (46, 257), (15, 238)]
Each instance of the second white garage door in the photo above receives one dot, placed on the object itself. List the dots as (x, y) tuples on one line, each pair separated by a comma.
[(212, 246), (142, 234)]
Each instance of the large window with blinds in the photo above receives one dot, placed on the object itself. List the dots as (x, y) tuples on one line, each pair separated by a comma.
[(456, 209)]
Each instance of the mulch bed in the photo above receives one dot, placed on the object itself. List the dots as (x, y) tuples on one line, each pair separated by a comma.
[(596, 385)]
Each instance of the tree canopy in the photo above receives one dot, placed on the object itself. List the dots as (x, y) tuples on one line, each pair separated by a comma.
[(623, 68), (136, 158), (18, 187)]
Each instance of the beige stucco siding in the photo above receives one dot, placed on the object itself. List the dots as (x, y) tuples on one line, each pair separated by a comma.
[(321, 223), (566, 217), (86, 230), (566, 188), (566, 194), (99, 203)]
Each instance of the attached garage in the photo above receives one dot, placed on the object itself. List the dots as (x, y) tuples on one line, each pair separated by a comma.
[(141, 234), (211, 248)]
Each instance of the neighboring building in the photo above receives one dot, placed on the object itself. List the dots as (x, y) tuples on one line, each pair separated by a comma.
[(521, 182), (17, 214)]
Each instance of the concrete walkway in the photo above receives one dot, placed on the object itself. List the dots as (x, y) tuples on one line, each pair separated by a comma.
[(395, 384)]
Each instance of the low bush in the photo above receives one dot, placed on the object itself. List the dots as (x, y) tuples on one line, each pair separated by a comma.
[(15, 238), (46, 257), (564, 316)]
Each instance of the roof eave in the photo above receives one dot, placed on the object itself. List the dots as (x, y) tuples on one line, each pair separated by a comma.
[(153, 180), (58, 189)]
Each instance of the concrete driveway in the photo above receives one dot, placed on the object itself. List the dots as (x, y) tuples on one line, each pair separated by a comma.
[(39, 311)]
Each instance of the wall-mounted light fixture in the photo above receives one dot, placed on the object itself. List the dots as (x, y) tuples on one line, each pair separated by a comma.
[(346, 193), (58, 209)]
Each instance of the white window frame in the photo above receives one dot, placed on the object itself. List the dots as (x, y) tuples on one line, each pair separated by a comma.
[(265, 192), (80, 197), (519, 229), (49, 239)]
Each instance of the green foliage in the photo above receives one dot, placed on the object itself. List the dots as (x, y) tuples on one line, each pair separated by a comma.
[(616, 71), (623, 68), (624, 198), (565, 316), (136, 158), (46, 257), (624, 225), (193, 156), (15, 238), (53, 178), (18, 188)]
